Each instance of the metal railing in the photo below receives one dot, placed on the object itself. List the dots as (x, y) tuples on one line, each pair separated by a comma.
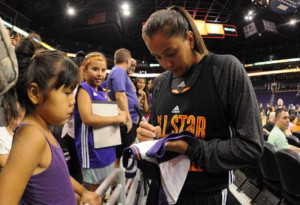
[(126, 192)]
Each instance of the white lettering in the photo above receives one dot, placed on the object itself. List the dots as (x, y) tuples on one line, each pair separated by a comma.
[(229, 29)]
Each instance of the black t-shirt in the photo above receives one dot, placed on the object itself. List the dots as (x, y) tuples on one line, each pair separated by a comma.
[(222, 110)]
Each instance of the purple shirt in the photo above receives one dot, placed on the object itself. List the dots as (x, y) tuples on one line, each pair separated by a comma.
[(53, 185), (89, 157), (118, 81)]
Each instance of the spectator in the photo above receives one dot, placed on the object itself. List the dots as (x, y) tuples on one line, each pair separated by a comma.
[(121, 89), (36, 171), (277, 136), (270, 124), (98, 163), (143, 94)]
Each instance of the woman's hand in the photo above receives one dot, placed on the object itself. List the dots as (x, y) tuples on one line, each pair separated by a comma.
[(91, 198), (179, 146), (147, 132)]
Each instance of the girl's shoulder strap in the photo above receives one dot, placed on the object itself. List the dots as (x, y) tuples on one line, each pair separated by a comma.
[(27, 124), (19, 126)]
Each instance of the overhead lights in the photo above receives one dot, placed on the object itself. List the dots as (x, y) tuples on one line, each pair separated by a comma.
[(250, 15), (125, 6), (293, 22), (71, 11), (126, 9), (126, 13)]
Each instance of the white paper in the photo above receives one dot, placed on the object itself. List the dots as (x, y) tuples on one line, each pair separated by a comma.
[(109, 135)]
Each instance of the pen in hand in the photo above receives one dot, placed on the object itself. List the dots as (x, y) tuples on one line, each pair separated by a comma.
[(142, 117)]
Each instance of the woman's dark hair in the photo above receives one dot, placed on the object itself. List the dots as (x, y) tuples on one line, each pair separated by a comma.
[(40, 68), (9, 103), (174, 21), (80, 56)]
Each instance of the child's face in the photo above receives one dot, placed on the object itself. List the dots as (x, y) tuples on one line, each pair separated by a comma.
[(141, 84), (57, 107), (95, 73)]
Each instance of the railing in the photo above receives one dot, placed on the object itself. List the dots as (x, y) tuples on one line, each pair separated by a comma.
[(126, 192)]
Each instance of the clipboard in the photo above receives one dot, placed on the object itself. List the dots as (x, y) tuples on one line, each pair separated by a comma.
[(109, 135)]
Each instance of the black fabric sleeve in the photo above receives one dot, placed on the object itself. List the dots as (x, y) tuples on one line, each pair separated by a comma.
[(237, 95)]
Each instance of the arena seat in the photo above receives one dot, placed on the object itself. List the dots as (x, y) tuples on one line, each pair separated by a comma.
[(266, 135), (268, 167), (254, 183), (292, 140), (296, 134), (288, 163)]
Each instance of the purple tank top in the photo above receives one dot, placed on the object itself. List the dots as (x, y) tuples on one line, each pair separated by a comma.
[(53, 185)]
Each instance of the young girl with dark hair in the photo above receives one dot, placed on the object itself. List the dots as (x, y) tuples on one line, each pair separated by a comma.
[(36, 171), (143, 94), (207, 94)]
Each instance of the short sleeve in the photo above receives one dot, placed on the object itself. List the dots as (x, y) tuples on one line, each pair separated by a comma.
[(118, 80)]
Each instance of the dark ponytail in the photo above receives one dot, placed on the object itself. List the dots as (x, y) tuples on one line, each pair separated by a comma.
[(24, 52), (199, 43)]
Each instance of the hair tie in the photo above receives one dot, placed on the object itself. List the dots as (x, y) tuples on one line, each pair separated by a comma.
[(92, 58)]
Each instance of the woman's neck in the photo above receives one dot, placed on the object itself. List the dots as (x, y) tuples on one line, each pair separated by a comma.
[(197, 58)]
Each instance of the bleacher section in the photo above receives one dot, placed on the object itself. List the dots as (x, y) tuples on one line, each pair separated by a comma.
[(263, 97), (288, 97)]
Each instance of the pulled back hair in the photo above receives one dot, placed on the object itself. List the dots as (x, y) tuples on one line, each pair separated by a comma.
[(40, 68), (93, 56), (174, 22), (121, 55), (9, 104)]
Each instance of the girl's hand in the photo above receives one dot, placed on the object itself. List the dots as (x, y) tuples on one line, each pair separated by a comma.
[(142, 94), (147, 132), (122, 117), (91, 198)]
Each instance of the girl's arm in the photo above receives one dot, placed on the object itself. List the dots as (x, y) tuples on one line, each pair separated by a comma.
[(3, 158), (85, 109), (86, 196), (23, 160)]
